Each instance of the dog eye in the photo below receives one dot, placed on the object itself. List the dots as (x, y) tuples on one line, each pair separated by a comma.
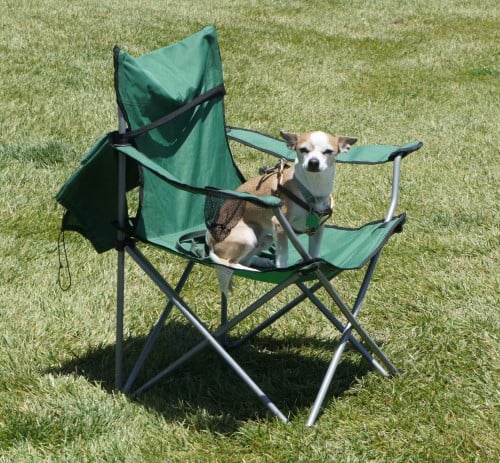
[(328, 152), (304, 150)]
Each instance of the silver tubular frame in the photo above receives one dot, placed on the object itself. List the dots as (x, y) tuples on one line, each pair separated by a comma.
[(396, 178), (155, 332), (217, 339), (351, 315), (336, 322), (308, 293), (210, 339), (346, 336), (122, 217)]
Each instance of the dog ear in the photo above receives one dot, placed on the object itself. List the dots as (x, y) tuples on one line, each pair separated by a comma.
[(290, 138), (345, 143)]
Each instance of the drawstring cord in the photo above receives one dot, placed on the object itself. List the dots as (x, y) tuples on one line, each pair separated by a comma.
[(64, 273)]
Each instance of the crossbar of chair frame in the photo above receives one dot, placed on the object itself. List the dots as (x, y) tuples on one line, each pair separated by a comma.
[(216, 339), (350, 315), (308, 293), (210, 338), (156, 331)]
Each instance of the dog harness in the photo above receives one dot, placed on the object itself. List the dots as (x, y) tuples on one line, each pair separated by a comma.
[(315, 218)]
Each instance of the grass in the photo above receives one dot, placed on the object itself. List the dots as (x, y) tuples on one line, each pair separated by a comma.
[(383, 71)]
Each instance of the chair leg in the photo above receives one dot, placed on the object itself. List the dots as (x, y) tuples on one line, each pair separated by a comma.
[(346, 336), (330, 373), (156, 331), (336, 322), (120, 284), (200, 327), (120, 303), (320, 398)]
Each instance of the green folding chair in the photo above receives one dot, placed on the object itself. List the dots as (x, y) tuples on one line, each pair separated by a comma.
[(172, 143)]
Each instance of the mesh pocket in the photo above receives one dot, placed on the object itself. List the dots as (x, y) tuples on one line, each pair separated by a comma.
[(222, 214)]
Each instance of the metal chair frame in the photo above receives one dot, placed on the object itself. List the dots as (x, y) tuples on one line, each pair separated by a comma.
[(217, 339)]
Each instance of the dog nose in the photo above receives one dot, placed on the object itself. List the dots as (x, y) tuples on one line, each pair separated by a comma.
[(313, 165)]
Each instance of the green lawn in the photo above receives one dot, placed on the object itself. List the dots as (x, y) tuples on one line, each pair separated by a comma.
[(384, 71)]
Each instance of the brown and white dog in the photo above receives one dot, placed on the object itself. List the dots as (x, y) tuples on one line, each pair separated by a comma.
[(306, 192)]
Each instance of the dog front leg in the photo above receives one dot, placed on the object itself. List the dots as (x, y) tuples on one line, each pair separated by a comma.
[(315, 242), (281, 240)]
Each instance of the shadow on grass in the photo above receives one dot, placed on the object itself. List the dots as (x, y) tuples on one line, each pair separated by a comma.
[(205, 393)]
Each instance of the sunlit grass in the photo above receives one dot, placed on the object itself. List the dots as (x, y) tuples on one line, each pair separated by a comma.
[(383, 71)]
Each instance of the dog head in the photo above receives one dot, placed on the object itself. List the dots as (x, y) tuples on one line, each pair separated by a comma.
[(316, 151)]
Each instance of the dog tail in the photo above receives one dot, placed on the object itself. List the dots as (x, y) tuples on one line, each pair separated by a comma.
[(219, 261), (225, 271)]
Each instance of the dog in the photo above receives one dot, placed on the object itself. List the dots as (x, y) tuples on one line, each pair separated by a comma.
[(305, 189)]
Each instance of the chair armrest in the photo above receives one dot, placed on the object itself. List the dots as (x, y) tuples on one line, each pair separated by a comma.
[(366, 154), (270, 145), (143, 160), (377, 154)]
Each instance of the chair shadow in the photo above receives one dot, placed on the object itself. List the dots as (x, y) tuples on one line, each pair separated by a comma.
[(205, 393)]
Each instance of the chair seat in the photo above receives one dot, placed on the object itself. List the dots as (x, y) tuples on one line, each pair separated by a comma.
[(341, 249)]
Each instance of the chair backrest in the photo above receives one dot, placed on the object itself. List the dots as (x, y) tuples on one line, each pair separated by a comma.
[(193, 147)]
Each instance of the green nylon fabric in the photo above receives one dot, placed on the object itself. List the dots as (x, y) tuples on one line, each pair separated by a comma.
[(341, 249), (90, 195), (193, 147), (176, 163), (155, 168), (365, 154), (262, 142), (376, 154)]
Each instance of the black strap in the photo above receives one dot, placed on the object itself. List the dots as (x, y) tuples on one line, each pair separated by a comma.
[(322, 216), (125, 138), (295, 198)]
